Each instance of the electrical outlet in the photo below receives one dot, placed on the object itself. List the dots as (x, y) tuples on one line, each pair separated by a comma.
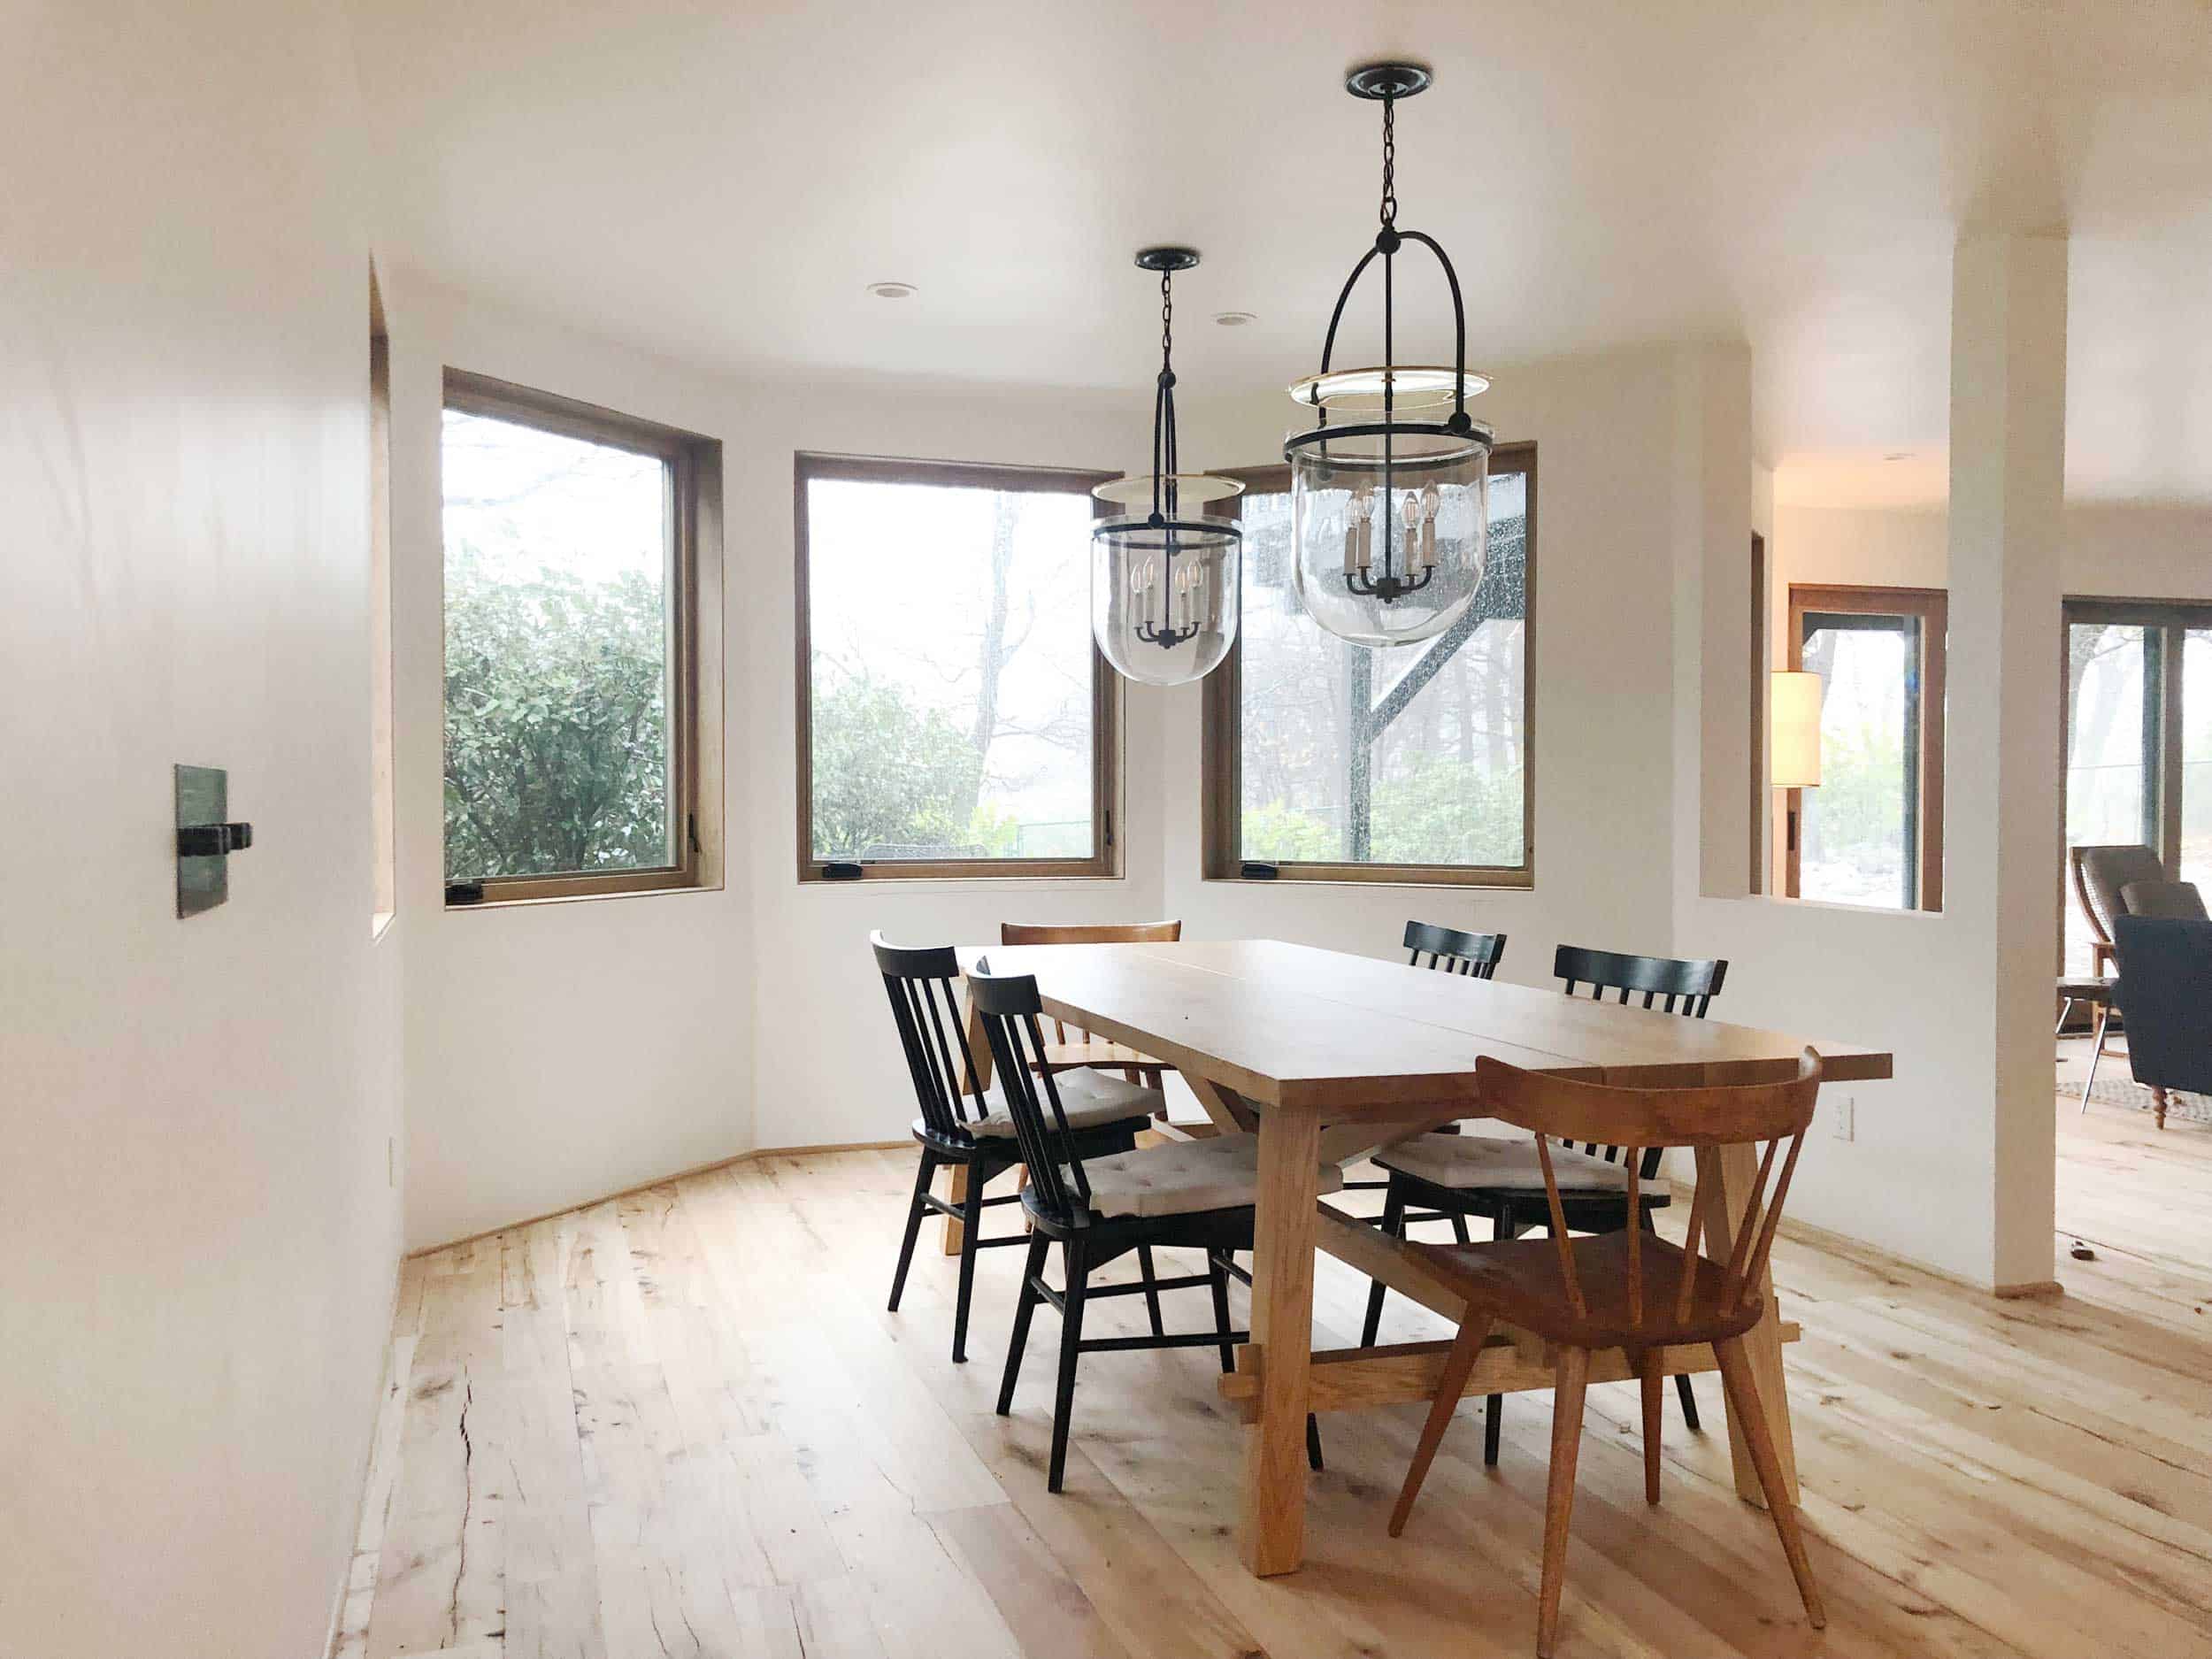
[(1843, 1117)]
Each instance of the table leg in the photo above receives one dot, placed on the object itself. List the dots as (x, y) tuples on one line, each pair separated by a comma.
[(1736, 1170), (1274, 1529), (956, 1193)]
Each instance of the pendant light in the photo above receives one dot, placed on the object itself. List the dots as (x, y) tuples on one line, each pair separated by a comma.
[(1165, 579), (1389, 489)]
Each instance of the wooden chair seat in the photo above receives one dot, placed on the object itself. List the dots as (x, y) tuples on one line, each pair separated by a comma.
[(1181, 1178), (1523, 1282), (1472, 1162)]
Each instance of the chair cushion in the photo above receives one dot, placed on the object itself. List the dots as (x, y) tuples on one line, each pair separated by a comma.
[(1180, 1178), (1089, 1098), (2164, 901), (1468, 1162)]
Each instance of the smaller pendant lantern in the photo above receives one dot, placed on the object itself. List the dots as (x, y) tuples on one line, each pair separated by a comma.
[(1166, 579), (1389, 489)]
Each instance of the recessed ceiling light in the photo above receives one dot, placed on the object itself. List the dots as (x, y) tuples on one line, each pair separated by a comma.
[(893, 291), (1234, 319)]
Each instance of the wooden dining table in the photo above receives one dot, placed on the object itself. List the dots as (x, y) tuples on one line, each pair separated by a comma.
[(1327, 1056)]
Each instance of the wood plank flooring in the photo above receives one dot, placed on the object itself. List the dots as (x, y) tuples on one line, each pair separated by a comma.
[(681, 1423)]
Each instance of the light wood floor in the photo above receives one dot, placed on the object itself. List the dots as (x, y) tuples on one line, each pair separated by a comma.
[(682, 1424)]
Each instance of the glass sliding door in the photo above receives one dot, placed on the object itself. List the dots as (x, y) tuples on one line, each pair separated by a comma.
[(1872, 833), (2137, 735)]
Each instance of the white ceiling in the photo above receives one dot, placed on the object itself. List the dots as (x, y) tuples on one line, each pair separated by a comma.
[(722, 181)]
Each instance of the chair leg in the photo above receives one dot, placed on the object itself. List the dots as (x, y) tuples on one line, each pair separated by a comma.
[(1743, 1393), (1655, 1393), (1394, 1226), (1033, 1268), (1459, 1228), (1076, 1271), (2065, 1013), (1569, 1379), (971, 1236), (1151, 1296), (1493, 1405), (2096, 1053), (1466, 1349), (1681, 1381), (915, 1211), (1313, 1442), (2158, 1103), (1218, 1279)]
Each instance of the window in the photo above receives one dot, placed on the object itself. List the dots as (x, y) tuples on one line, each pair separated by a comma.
[(953, 717), (2138, 739), (383, 854), (1332, 762), (582, 677), (1872, 833)]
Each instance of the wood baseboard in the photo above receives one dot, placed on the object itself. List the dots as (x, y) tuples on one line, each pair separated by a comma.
[(753, 1156)]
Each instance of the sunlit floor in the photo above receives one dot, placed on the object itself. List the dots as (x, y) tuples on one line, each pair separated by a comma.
[(681, 1422)]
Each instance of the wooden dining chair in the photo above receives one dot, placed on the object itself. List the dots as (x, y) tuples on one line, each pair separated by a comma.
[(973, 1132), (1500, 1179), (1063, 1053), (1628, 1289), (1197, 1194)]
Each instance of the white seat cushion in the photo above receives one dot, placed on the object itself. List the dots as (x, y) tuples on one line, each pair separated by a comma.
[(1180, 1178), (1464, 1162), (1089, 1098)]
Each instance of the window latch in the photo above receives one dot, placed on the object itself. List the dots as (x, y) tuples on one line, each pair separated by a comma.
[(842, 872), (463, 892), (1252, 869)]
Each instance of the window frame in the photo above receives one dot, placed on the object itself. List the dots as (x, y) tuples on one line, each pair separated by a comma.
[(1222, 744), (1930, 607), (1105, 863), (696, 632), (2173, 620)]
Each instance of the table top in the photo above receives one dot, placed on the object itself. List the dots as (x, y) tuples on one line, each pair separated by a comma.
[(1288, 1025)]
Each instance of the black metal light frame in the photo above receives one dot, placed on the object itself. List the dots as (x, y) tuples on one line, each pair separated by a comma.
[(1165, 521), (1387, 83)]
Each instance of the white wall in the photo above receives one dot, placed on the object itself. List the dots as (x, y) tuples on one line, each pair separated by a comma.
[(197, 1237)]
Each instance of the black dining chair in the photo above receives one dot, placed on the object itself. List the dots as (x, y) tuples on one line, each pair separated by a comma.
[(959, 1129), (1195, 1194), (1448, 950), (1459, 1176)]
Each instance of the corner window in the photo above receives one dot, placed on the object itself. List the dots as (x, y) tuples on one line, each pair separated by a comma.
[(955, 719), (576, 540), (1332, 761)]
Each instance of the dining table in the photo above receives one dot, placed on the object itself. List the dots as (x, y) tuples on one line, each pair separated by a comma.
[(1325, 1057)]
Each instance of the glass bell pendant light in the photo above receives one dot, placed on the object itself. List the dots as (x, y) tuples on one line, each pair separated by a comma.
[(1165, 579), (1389, 489)]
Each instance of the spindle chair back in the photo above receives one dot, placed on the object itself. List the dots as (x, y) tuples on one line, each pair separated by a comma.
[(1474, 955)]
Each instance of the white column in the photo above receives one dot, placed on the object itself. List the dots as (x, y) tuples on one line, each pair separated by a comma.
[(2008, 463)]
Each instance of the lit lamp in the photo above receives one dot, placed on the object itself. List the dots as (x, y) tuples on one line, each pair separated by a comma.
[(1794, 741)]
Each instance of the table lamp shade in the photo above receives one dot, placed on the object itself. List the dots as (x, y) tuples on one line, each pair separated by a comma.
[(1794, 731)]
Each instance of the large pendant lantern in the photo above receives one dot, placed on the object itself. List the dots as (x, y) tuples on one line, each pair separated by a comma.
[(1389, 489), (1165, 578)]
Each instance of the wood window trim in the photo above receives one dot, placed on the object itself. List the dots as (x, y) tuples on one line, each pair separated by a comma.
[(695, 714), (1105, 862), (1222, 748), (1932, 608)]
